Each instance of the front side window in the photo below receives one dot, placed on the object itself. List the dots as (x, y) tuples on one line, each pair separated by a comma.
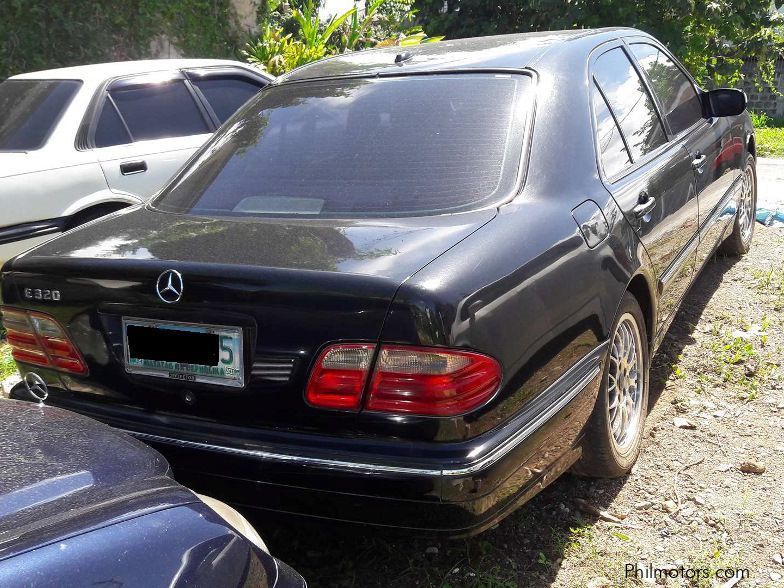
[(630, 102), (399, 146), (30, 109), (681, 104), (158, 111)]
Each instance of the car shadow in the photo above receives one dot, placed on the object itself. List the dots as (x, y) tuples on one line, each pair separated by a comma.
[(525, 549)]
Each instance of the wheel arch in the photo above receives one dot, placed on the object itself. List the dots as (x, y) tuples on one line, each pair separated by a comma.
[(641, 288), (94, 203), (99, 198)]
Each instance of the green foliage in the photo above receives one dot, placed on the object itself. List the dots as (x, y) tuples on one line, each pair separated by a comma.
[(200, 28), (711, 37), (770, 142), (769, 134), (759, 119), (42, 34), (277, 50), (358, 27), (311, 32), (7, 364)]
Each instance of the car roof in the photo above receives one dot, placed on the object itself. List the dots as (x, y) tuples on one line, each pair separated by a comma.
[(98, 72), (515, 51)]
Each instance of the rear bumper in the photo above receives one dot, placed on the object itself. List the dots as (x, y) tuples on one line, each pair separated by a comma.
[(458, 488)]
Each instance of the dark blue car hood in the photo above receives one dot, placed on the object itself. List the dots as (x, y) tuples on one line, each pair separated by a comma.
[(59, 470)]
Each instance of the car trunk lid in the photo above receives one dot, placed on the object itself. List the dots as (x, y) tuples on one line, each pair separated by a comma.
[(292, 286)]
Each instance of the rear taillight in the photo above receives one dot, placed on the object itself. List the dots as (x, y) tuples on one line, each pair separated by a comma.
[(429, 381), (339, 376), (37, 338)]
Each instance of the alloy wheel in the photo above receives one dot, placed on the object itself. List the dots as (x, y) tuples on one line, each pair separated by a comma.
[(625, 385), (746, 205)]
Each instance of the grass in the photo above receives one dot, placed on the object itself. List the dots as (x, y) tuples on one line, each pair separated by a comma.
[(771, 282), (7, 365), (715, 567), (733, 358), (769, 134)]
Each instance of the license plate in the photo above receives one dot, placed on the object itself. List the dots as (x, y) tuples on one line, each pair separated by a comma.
[(187, 352)]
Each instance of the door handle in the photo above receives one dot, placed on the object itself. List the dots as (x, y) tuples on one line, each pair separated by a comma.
[(128, 168), (646, 204), (698, 161)]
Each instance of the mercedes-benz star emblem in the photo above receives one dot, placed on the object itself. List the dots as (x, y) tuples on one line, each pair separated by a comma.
[(170, 286), (36, 387)]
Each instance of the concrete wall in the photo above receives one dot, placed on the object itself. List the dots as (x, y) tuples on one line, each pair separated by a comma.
[(764, 100)]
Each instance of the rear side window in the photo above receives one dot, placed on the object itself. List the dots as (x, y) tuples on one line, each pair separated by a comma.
[(408, 145), (681, 104), (614, 155), (110, 129), (630, 102), (225, 95), (30, 109), (158, 111)]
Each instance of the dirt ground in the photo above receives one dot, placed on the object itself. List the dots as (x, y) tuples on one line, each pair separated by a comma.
[(687, 509)]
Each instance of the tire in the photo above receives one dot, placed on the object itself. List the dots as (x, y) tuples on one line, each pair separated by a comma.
[(607, 454), (739, 241)]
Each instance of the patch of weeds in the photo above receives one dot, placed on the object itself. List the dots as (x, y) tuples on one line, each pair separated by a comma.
[(772, 282), (680, 404), (737, 362), (763, 279), (7, 364), (621, 536), (677, 372), (579, 538), (715, 567), (703, 383)]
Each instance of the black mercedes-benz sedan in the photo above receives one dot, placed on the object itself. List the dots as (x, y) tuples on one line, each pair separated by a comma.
[(403, 287)]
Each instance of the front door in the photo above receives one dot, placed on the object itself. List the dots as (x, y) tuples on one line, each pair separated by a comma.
[(708, 141)]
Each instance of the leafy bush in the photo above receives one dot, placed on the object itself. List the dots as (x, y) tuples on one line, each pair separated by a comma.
[(277, 51), (7, 364), (760, 120), (712, 37)]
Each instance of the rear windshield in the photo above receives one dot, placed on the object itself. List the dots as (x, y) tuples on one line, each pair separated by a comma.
[(359, 147), (29, 110)]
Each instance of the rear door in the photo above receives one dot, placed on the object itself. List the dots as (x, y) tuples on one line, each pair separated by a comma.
[(649, 175), (146, 128), (708, 141)]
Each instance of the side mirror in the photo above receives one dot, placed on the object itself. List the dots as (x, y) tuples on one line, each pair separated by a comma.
[(724, 102)]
